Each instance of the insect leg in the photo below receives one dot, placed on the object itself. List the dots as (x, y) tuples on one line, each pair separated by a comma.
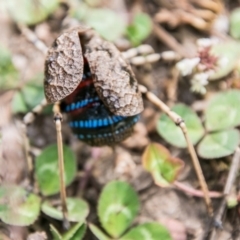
[(58, 124), (180, 122)]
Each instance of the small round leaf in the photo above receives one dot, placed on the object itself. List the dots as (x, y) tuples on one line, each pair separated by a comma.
[(163, 167), (19, 207), (8, 73), (173, 134), (140, 28), (29, 96), (223, 111), (117, 207), (228, 55), (18, 103), (104, 21), (219, 144), (30, 12), (47, 172), (234, 23), (77, 210), (153, 231), (33, 94)]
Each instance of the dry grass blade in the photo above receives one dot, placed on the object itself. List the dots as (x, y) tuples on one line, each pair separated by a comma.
[(28, 119), (234, 168)]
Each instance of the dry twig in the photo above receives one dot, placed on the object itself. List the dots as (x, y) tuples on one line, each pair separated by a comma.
[(170, 41), (234, 168)]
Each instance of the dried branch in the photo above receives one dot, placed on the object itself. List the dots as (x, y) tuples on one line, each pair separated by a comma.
[(232, 175)]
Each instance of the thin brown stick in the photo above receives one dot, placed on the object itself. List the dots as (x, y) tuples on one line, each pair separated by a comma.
[(31, 36), (58, 124), (215, 6), (179, 122), (232, 175), (171, 42), (232, 172)]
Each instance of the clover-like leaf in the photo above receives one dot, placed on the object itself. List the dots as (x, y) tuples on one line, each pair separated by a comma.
[(223, 111), (8, 73), (164, 168), (150, 231), (19, 207), (219, 144), (173, 134), (228, 56), (30, 12), (77, 210), (47, 172), (98, 233), (139, 29), (117, 207), (234, 23)]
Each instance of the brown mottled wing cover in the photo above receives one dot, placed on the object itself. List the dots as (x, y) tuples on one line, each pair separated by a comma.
[(113, 78), (63, 66)]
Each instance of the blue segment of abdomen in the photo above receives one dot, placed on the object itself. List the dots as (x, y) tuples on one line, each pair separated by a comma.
[(96, 123), (80, 104)]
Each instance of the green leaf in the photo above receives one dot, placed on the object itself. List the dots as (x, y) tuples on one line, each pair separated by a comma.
[(173, 134), (33, 94), (163, 167), (8, 73), (106, 22), (223, 111), (235, 23), (47, 173), (78, 10), (18, 103), (77, 210), (77, 232), (29, 96), (228, 55), (219, 144), (147, 231), (117, 207), (21, 208), (55, 233), (30, 12), (3, 207), (98, 233), (103, 20), (140, 28)]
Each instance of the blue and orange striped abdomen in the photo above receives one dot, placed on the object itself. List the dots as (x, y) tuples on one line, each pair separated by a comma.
[(90, 119)]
